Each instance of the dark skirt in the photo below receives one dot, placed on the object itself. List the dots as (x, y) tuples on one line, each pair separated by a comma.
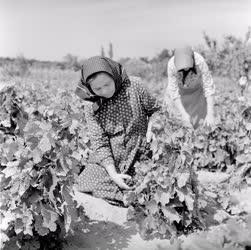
[(194, 102), (95, 180)]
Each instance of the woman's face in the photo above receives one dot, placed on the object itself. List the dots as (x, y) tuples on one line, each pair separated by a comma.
[(185, 70), (103, 85)]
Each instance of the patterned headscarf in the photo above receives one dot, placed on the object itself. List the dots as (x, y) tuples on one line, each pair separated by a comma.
[(183, 58), (95, 65)]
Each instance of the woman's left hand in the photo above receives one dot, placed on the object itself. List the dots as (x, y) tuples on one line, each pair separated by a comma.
[(149, 133), (119, 179), (209, 120)]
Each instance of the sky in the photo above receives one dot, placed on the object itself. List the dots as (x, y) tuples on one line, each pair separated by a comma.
[(50, 29)]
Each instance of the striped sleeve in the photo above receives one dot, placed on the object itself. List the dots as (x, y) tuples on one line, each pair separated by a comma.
[(172, 88), (208, 83)]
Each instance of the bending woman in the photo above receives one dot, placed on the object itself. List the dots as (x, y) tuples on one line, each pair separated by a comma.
[(191, 87), (117, 117)]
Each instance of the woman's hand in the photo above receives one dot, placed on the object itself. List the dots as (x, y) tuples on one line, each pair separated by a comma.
[(119, 180), (243, 81), (149, 133), (187, 120), (209, 120)]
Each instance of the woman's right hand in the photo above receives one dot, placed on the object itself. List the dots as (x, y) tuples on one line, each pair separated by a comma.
[(119, 180), (187, 120)]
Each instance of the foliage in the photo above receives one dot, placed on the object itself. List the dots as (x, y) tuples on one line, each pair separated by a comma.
[(43, 137), (44, 144), (167, 199), (110, 52), (164, 54), (228, 59), (42, 148), (71, 62), (20, 67), (234, 235), (102, 51), (138, 68)]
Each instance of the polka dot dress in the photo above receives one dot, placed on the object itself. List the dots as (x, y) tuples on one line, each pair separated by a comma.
[(116, 130)]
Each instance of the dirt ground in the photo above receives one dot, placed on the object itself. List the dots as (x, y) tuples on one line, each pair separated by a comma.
[(110, 230)]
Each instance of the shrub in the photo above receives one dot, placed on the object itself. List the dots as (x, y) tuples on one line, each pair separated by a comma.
[(137, 67), (18, 67)]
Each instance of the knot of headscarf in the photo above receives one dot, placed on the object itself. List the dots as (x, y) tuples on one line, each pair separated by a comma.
[(95, 65)]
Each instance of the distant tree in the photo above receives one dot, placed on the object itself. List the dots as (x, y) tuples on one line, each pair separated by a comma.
[(229, 57), (248, 35), (23, 64), (16, 67), (71, 62), (210, 42), (144, 59), (110, 52), (102, 53), (124, 60), (137, 67), (164, 54)]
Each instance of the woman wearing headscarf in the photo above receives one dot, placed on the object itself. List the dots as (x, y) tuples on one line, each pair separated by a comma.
[(117, 117), (191, 87), (244, 79)]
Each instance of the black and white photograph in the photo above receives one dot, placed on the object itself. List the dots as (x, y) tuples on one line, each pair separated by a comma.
[(125, 125)]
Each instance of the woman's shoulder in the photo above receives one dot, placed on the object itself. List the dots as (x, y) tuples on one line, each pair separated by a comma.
[(136, 83), (170, 63), (171, 69), (198, 58), (135, 80), (90, 107)]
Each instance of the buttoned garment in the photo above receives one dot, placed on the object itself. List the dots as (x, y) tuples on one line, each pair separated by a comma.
[(116, 131)]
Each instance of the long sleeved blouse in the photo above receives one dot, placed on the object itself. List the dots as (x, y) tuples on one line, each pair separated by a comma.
[(174, 77), (116, 129)]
